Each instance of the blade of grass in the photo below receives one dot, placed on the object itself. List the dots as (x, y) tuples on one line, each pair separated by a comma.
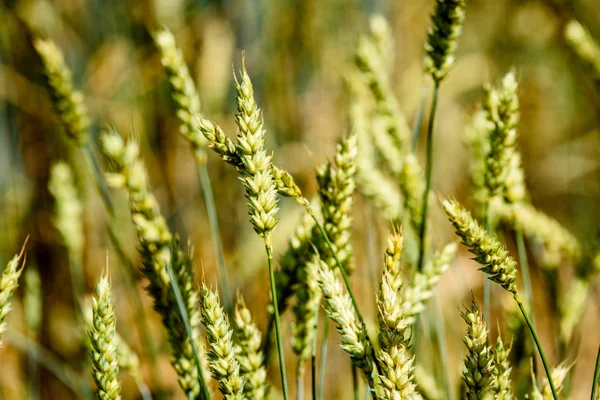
[(539, 346), (284, 386), (596, 377), (323, 362), (428, 172)]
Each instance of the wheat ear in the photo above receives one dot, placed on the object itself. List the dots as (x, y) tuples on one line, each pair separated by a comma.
[(479, 364), (104, 348), (221, 354), (9, 281)]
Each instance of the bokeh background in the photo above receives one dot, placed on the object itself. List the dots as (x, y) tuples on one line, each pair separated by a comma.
[(297, 53)]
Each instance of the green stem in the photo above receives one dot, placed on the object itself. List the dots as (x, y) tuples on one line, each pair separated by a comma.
[(596, 377), (299, 380), (313, 362), (188, 328), (323, 362), (525, 270), (213, 222), (269, 249), (355, 383), (419, 119), (69, 377), (538, 344), (94, 168), (428, 171)]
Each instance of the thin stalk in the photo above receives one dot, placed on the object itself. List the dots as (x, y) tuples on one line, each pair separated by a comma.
[(188, 328), (213, 222), (355, 383), (94, 168), (313, 363), (428, 170), (269, 249), (323, 359), (62, 371), (440, 331), (538, 344), (525, 269), (420, 114), (596, 377), (299, 380)]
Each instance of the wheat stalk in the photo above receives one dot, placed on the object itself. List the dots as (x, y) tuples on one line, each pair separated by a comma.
[(584, 45), (501, 384)]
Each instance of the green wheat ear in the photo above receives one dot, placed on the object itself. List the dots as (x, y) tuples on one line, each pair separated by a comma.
[(479, 364), (68, 102), (9, 281), (442, 39), (104, 347)]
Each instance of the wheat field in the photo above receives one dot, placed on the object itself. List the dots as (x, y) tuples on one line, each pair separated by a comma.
[(275, 199)]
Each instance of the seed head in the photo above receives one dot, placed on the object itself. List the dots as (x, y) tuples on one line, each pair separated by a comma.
[(68, 103), (103, 344), (477, 372), (488, 251), (442, 39)]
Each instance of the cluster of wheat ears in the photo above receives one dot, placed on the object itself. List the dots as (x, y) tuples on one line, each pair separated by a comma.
[(209, 341)]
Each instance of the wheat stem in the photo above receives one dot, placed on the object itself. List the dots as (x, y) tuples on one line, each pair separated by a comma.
[(538, 344), (323, 362), (420, 115), (595, 394), (313, 363), (355, 383), (523, 260), (213, 222), (428, 170), (299, 380), (280, 349)]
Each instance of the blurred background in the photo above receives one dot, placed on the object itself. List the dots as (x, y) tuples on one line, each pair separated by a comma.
[(297, 53)]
